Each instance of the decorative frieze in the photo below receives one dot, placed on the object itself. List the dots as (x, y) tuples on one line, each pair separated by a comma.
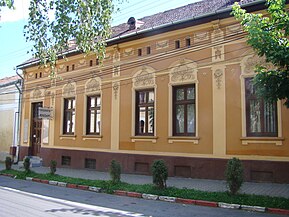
[(233, 29), (250, 62), (184, 71), (218, 75), (69, 89), (128, 52), (92, 85), (217, 34), (201, 36), (144, 78), (218, 53), (115, 88), (162, 44), (37, 93)]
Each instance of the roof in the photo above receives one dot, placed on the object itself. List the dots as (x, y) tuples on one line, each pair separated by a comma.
[(168, 18), (7, 80), (177, 14)]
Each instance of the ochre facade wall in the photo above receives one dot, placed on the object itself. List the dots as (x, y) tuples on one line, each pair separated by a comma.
[(218, 57)]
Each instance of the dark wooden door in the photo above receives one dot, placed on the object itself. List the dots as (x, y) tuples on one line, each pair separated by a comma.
[(36, 129)]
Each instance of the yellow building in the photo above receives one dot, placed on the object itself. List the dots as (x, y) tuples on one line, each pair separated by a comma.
[(9, 116), (175, 86)]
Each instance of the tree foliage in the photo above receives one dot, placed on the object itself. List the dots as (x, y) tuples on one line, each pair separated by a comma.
[(6, 3), (52, 24), (268, 34)]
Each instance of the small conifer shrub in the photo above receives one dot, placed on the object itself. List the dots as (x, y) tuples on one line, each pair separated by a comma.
[(115, 171), (26, 164), (234, 175), (160, 173), (53, 165), (8, 163)]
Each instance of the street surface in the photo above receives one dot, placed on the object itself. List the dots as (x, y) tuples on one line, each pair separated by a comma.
[(25, 198)]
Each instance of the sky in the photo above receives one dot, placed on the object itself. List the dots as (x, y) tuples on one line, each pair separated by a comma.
[(13, 47)]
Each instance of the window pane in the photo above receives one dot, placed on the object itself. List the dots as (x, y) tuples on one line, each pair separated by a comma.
[(151, 120), (269, 117), (151, 96), (191, 93), (191, 118), (142, 97), (180, 121), (255, 116), (98, 101), (92, 120), (73, 122), (142, 120), (73, 103), (180, 94), (92, 101), (98, 121)]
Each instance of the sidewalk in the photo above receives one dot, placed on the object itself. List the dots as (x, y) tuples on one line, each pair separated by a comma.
[(269, 189)]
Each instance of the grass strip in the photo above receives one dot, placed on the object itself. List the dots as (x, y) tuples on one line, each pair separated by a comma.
[(109, 187)]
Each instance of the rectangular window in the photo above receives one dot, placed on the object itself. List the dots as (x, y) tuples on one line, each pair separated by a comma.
[(148, 50), (69, 116), (89, 163), (139, 52), (188, 42), (261, 115), (177, 44), (184, 110), (145, 112), (93, 115), (65, 160)]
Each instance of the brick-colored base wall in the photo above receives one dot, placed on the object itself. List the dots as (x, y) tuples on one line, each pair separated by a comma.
[(203, 168)]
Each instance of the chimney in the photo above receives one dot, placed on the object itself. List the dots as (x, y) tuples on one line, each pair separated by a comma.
[(134, 23)]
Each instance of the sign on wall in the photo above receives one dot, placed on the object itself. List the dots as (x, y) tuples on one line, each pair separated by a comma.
[(45, 113)]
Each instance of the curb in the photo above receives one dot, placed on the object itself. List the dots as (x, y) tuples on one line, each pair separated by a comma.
[(161, 198)]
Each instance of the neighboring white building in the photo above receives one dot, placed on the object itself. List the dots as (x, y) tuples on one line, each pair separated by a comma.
[(9, 111)]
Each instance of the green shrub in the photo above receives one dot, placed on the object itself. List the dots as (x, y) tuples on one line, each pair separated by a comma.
[(8, 163), (26, 164), (53, 165), (160, 173), (115, 171), (234, 175)]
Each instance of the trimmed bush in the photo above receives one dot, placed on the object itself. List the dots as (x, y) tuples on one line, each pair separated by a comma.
[(115, 171), (53, 165), (234, 175), (26, 164), (8, 163), (160, 173)]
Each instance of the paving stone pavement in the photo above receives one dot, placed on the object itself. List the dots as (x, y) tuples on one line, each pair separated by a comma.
[(270, 189)]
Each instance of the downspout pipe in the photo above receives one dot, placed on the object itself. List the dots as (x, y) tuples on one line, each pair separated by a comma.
[(20, 90)]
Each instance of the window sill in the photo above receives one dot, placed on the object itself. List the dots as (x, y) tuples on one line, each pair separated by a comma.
[(188, 139), (92, 137), (72, 137), (152, 139), (258, 140)]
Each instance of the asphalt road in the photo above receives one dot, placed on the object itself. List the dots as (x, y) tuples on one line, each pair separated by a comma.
[(25, 199)]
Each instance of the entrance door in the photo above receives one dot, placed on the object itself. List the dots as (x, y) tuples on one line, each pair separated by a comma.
[(36, 124)]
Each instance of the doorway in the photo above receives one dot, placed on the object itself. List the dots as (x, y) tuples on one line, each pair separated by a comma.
[(36, 127)]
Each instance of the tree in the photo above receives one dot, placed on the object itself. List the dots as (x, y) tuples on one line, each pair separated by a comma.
[(269, 36), (6, 3), (52, 24)]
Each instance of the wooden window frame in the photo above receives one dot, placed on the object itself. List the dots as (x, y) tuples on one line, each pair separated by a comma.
[(95, 109), (177, 44), (68, 113), (249, 97), (146, 105), (184, 102)]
